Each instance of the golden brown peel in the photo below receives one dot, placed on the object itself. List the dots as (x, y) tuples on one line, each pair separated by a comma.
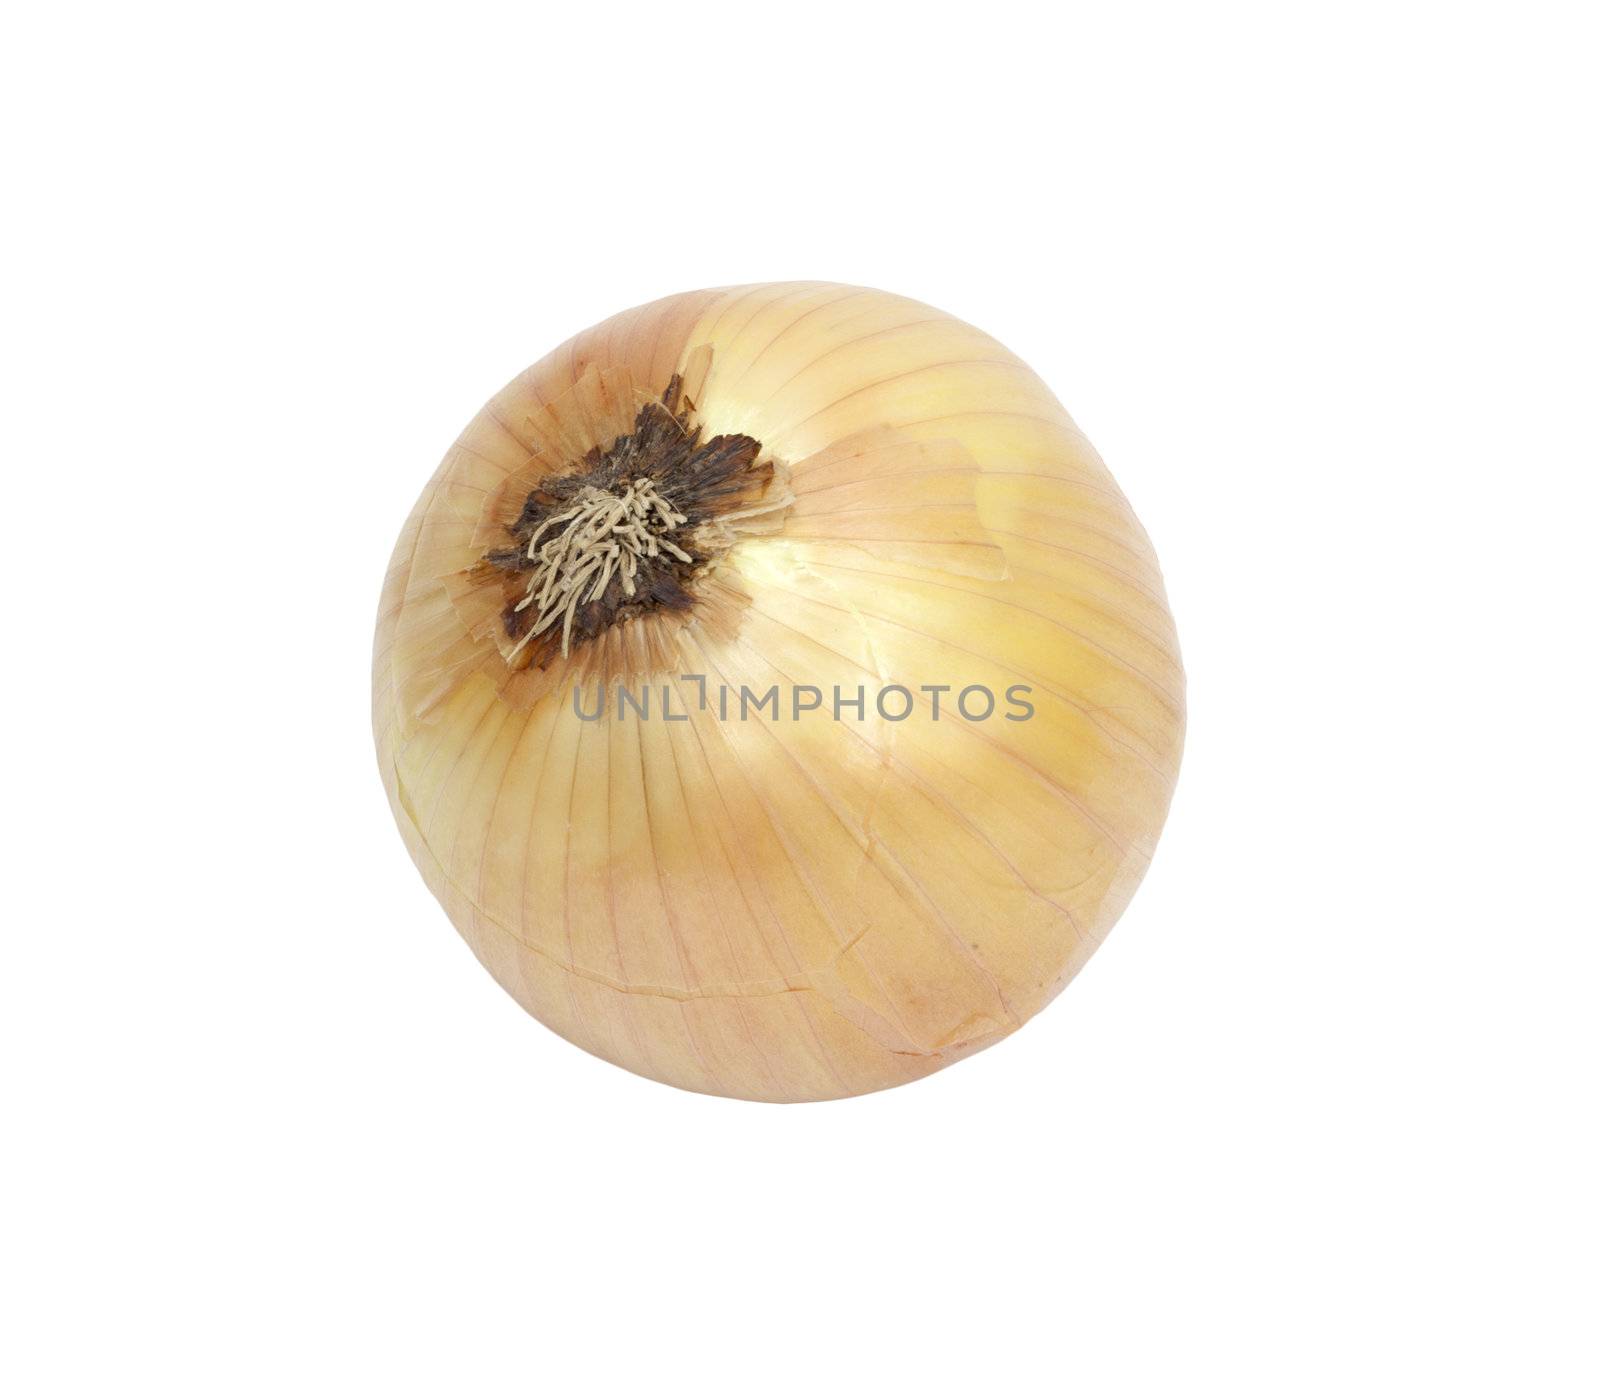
[(746, 894)]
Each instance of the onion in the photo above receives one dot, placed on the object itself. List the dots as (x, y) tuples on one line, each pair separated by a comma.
[(777, 692)]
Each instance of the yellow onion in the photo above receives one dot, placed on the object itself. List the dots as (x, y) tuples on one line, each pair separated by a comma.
[(785, 487)]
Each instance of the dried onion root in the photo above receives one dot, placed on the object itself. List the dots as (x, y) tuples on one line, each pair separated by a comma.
[(640, 667)]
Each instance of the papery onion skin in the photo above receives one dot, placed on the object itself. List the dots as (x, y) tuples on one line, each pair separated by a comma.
[(793, 911)]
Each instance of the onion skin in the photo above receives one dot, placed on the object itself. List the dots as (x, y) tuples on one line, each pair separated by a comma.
[(797, 911)]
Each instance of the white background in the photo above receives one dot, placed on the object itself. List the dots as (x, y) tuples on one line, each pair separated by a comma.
[(1320, 283)]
